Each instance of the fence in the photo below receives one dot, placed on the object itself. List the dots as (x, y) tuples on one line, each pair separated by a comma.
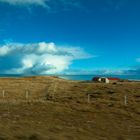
[(53, 96)]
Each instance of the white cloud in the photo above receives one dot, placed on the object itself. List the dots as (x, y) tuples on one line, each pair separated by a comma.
[(4, 50), (49, 4), (25, 2), (39, 58)]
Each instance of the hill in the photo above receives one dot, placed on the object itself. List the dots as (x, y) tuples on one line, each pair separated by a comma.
[(50, 108)]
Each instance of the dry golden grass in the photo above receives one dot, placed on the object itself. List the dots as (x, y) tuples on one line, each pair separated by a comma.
[(49, 108)]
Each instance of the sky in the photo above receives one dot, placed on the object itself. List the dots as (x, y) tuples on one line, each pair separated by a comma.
[(69, 37)]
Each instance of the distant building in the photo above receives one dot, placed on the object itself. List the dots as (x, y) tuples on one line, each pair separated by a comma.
[(105, 79), (114, 79)]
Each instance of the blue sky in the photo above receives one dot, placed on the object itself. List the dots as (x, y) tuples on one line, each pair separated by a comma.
[(69, 36)]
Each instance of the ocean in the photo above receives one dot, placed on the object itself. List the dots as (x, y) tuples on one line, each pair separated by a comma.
[(83, 77), (89, 77)]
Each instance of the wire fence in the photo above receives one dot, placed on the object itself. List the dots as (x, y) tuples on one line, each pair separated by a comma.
[(52, 95), (55, 91)]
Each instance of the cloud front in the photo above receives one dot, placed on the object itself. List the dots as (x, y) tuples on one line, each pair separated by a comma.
[(38, 58)]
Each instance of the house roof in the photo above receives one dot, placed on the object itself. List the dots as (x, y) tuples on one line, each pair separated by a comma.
[(111, 78)]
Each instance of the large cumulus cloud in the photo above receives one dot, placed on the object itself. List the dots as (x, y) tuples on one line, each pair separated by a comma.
[(38, 58)]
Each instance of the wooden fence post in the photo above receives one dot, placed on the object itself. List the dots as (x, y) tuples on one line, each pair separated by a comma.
[(3, 93), (125, 100), (27, 94), (88, 98)]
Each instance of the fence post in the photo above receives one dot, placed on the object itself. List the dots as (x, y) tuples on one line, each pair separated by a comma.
[(125, 100), (88, 98), (27, 94), (3, 93)]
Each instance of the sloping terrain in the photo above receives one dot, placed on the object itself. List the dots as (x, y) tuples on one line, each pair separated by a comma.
[(49, 108)]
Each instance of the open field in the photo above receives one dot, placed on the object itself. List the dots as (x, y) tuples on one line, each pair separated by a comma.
[(49, 108)]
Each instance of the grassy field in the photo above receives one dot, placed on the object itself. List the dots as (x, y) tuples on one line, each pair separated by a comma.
[(49, 108)]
